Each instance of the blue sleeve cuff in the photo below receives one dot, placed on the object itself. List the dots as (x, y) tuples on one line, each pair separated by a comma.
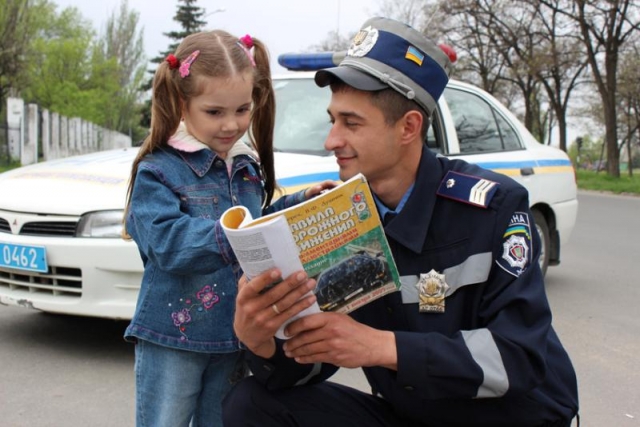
[(225, 248)]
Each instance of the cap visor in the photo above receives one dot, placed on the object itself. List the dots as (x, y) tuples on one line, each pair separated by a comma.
[(354, 78)]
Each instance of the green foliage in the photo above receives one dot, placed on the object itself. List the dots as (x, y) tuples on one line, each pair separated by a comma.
[(20, 22), (66, 73), (6, 167), (635, 160), (589, 153), (76, 73), (123, 42), (600, 181)]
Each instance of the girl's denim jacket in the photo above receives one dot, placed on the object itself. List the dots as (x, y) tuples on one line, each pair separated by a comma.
[(188, 291)]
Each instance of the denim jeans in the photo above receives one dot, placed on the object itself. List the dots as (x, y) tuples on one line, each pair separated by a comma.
[(177, 387)]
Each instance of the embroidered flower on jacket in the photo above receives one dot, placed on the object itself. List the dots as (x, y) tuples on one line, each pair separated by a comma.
[(181, 317), (208, 297), (205, 299)]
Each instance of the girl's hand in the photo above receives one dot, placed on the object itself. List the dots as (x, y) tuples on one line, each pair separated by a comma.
[(319, 188)]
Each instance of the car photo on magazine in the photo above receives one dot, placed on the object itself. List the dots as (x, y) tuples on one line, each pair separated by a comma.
[(361, 273)]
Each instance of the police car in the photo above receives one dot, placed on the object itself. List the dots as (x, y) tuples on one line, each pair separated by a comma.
[(60, 221), (468, 123)]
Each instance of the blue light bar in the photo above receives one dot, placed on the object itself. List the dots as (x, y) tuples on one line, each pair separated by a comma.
[(310, 61)]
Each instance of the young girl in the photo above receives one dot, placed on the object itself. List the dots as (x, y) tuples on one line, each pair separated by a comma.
[(190, 169)]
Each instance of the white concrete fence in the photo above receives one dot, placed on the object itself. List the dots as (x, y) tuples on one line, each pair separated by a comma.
[(58, 136)]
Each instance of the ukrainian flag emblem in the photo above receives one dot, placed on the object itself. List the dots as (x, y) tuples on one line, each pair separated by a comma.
[(414, 55)]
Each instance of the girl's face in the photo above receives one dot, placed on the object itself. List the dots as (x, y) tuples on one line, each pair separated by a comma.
[(219, 116)]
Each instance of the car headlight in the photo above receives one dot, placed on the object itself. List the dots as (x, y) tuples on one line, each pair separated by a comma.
[(100, 224)]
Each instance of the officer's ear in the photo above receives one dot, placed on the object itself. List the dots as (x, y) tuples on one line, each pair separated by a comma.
[(410, 126)]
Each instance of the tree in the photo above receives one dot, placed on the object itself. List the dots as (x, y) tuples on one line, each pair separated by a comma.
[(605, 27), (65, 73), (629, 105), (559, 59), (416, 13), (18, 25), (76, 74), (191, 20), (505, 32), (190, 17), (478, 60), (123, 42)]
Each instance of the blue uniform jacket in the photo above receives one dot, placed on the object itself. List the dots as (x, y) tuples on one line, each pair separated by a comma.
[(189, 285), (492, 357)]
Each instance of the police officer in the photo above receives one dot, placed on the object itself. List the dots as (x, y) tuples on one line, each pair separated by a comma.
[(468, 340)]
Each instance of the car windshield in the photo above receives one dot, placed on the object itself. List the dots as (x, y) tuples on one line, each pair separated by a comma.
[(302, 122)]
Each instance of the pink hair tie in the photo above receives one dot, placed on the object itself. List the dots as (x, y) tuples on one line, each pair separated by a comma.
[(186, 64), (247, 41)]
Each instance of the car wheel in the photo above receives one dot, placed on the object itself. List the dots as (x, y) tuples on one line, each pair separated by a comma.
[(543, 232)]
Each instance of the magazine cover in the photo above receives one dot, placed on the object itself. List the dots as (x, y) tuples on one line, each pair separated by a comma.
[(337, 237)]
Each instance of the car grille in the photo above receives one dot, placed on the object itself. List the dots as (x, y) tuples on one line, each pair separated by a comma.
[(56, 229), (43, 228), (58, 281)]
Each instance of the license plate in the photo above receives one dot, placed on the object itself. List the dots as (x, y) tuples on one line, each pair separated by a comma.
[(29, 258)]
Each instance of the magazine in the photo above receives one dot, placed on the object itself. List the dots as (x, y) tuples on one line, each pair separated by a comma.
[(336, 237)]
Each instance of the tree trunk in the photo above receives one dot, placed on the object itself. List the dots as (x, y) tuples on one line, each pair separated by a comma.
[(610, 118), (562, 128), (629, 158)]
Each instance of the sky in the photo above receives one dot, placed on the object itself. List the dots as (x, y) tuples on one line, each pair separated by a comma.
[(283, 25)]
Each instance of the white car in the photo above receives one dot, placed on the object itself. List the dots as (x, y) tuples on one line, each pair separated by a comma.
[(60, 221)]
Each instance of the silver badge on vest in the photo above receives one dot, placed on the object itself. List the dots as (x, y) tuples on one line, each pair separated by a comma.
[(431, 289)]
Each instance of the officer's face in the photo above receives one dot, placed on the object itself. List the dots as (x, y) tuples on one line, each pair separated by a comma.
[(360, 138)]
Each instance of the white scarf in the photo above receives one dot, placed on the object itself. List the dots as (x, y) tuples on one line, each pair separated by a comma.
[(182, 140)]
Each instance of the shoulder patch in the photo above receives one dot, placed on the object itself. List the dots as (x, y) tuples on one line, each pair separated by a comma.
[(468, 189), (517, 245)]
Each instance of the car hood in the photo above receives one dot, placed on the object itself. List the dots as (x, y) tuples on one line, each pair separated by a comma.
[(98, 181), (69, 186)]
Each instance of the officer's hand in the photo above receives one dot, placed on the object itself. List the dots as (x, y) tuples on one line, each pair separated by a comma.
[(261, 310), (338, 339)]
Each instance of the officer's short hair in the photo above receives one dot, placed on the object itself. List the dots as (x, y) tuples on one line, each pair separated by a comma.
[(393, 105)]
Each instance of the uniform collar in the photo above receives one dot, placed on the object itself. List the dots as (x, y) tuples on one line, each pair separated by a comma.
[(383, 209), (411, 226)]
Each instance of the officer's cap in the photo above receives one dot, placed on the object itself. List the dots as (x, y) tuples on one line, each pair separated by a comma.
[(387, 53)]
